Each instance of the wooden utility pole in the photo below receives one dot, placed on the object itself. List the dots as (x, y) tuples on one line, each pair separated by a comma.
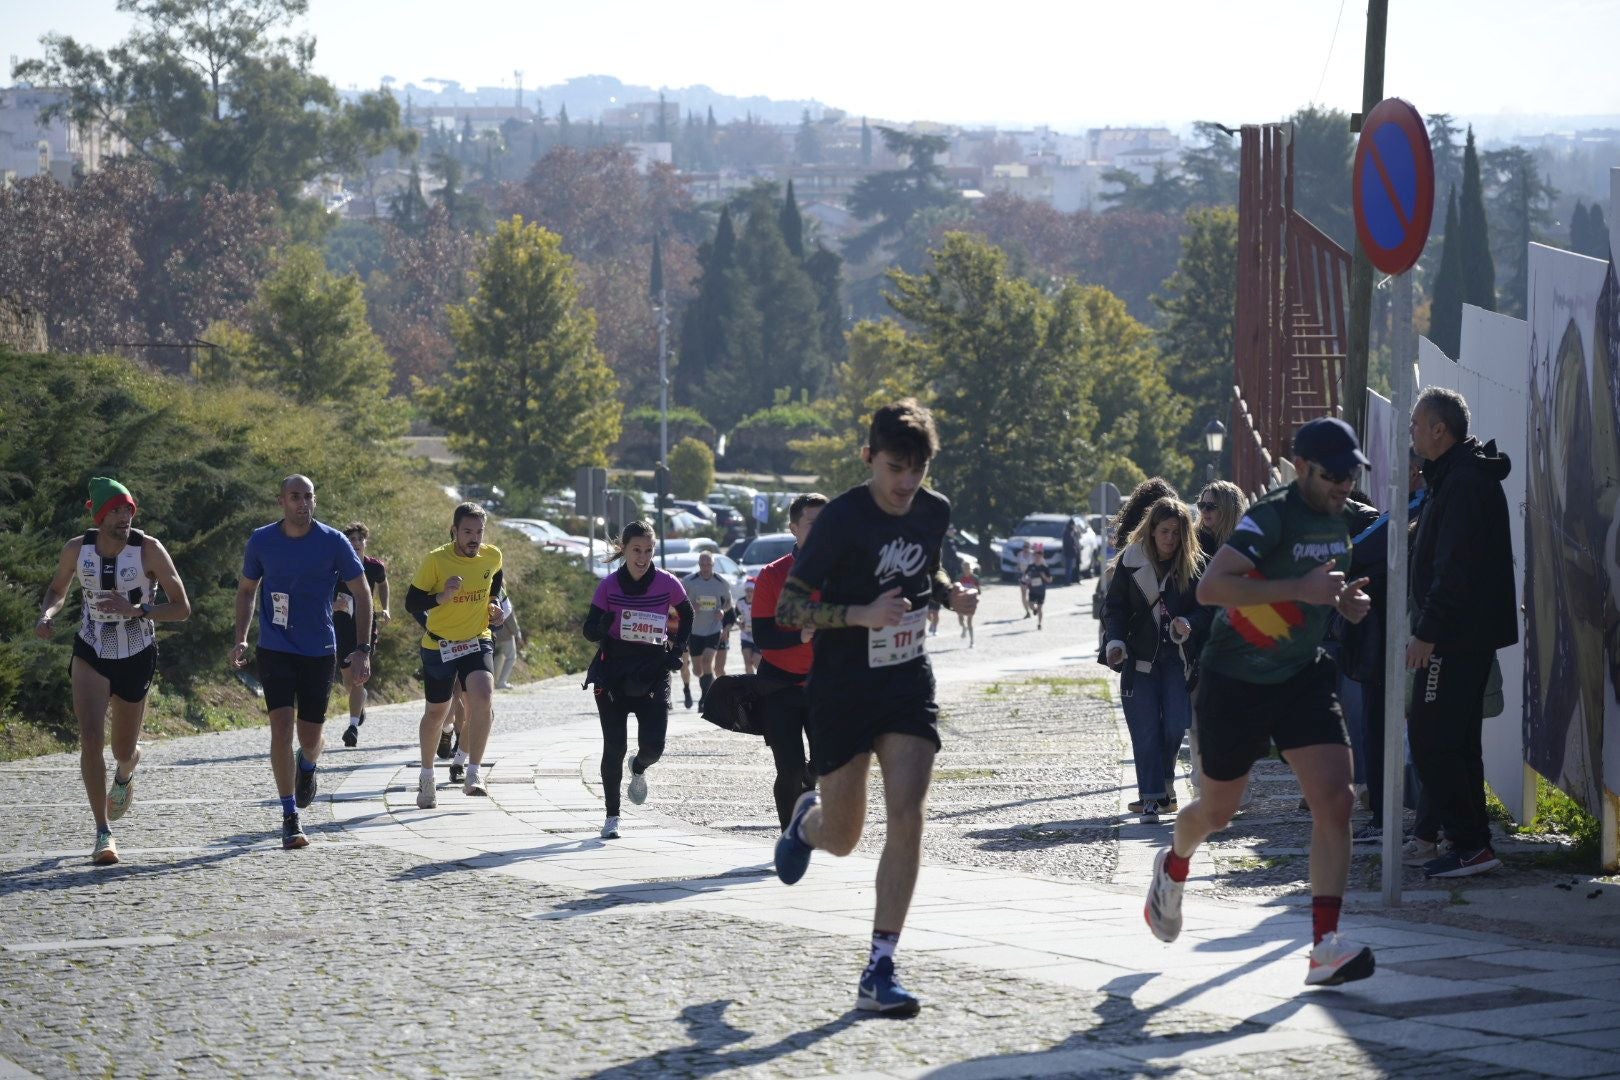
[(1361, 268)]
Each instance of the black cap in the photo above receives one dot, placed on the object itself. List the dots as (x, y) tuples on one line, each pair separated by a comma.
[(1331, 443)]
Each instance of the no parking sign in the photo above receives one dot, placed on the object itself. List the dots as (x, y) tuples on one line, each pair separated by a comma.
[(1393, 188)]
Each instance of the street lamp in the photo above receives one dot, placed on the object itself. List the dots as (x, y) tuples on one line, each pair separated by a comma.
[(1214, 441)]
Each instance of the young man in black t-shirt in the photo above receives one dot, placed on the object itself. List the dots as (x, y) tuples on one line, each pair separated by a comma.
[(874, 556)]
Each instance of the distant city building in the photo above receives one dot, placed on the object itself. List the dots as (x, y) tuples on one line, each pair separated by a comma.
[(56, 148), (481, 117)]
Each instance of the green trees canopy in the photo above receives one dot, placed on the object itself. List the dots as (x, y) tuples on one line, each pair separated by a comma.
[(1199, 305)]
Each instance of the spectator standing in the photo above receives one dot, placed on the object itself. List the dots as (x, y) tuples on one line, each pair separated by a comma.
[(509, 641), (1071, 552), (1463, 592)]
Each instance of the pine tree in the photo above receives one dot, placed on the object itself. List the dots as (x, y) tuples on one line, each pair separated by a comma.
[(826, 270), (565, 130), (792, 224), (410, 207), (1445, 307), (807, 142), (1474, 250), (789, 316), (700, 323), (1443, 133)]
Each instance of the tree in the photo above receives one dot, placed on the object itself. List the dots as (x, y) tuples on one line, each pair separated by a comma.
[(1199, 305), (425, 274), (691, 469), (1520, 202), (791, 224), (1140, 419), (1448, 166), (1005, 369), (1211, 169), (826, 272), (1588, 232), (306, 337), (1474, 248), (890, 199), (1445, 310), (710, 315), (885, 364), (807, 142), (866, 144), (1166, 193), (529, 397), (1324, 159), (212, 92)]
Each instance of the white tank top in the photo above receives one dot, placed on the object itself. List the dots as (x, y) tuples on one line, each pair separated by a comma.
[(111, 636)]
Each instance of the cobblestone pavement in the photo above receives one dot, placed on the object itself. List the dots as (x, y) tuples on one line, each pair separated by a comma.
[(499, 936)]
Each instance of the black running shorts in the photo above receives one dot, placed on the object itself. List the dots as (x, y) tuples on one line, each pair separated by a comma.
[(841, 726), (130, 678), (343, 627), (442, 676), (294, 681), (698, 644), (1238, 721)]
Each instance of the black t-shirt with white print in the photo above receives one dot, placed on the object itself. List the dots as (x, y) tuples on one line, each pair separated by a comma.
[(856, 553)]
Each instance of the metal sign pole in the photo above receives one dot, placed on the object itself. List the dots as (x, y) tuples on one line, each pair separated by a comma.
[(1403, 355)]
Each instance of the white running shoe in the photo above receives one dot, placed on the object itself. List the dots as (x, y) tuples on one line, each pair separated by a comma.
[(1163, 908), (427, 795), (638, 785), (1336, 961), (473, 784), (610, 827)]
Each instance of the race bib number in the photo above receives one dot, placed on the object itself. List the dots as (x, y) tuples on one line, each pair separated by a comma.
[(343, 604), (643, 627), (280, 609), (455, 650), (93, 600), (898, 644), (708, 603)]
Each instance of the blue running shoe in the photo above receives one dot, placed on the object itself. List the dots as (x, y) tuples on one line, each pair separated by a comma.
[(793, 854), (881, 992)]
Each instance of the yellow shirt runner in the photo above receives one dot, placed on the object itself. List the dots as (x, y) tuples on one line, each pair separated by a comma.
[(466, 616)]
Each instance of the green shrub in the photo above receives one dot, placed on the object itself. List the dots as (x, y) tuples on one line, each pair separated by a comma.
[(678, 414), (691, 469), (1558, 814), (794, 416)]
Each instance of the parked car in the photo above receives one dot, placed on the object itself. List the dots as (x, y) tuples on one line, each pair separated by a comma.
[(544, 532), (765, 549), (687, 545), (702, 511), (1043, 529), (686, 564), (738, 546)]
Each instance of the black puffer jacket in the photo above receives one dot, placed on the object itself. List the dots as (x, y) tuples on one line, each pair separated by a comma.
[(1128, 615), (1462, 557)]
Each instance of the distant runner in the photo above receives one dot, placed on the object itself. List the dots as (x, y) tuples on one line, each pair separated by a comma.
[(711, 611), (343, 624)]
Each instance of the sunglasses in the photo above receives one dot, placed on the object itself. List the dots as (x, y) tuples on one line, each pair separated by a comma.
[(1211, 507), (1338, 478)]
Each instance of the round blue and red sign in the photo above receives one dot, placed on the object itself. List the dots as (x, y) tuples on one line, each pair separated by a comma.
[(1394, 186)]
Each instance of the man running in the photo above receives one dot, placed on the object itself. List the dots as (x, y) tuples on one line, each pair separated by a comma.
[(293, 565), (119, 569), (785, 656), (343, 624), (874, 554), (712, 612), (1265, 681), (745, 626), (457, 588)]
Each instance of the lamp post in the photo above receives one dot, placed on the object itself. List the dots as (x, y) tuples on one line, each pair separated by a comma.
[(1214, 441)]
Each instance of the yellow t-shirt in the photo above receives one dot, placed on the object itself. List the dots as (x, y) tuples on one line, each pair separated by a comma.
[(467, 615)]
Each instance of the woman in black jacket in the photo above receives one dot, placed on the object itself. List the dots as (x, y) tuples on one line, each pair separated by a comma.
[(1154, 626)]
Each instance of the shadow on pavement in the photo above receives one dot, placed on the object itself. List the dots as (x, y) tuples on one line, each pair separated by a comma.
[(64, 874), (711, 1036)]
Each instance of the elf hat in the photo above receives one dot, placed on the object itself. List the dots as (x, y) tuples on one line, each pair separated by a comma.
[(106, 494)]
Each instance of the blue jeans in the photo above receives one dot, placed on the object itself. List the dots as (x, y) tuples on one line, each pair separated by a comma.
[(1158, 710)]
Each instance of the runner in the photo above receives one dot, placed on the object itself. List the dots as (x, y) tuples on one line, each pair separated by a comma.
[(784, 665), (1022, 560), (1037, 576), (630, 618), (457, 587), (745, 626), (712, 611), (1266, 681), (964, 619), (874, 554), (343, 624), (292, 565), (119, 569)]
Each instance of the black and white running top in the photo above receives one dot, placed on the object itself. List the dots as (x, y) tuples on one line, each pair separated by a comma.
[(111, 636)]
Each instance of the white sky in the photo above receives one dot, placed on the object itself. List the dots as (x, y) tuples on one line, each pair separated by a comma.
[(1067, 63)]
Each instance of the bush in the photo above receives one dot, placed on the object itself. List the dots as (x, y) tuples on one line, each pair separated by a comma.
[(761, 442), (638, 446), (691, 469), (204, 464)]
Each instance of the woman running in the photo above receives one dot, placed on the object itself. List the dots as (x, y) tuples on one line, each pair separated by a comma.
[(630, 620)]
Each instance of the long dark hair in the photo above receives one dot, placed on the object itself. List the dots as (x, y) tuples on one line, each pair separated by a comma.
[(1130, 515)]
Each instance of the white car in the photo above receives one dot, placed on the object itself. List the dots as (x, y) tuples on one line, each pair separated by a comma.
[(544, 532), (1047, 531), (765, 549)]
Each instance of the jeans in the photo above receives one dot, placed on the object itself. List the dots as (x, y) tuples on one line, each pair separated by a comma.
[(505, 659), (1158, 711)]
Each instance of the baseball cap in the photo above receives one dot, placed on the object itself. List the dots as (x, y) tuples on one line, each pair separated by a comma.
[(1331, 443)]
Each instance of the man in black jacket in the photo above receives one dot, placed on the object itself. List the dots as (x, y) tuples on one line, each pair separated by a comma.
[(1462, 588)]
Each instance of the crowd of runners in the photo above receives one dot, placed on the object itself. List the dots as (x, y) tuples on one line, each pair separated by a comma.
[(834, 637)]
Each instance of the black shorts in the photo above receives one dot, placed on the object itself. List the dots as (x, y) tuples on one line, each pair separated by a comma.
[(293, 681), (343, 626), (698, 644), (843, 725), (441, 677), (1037, 594), (1238, 721), (129, 679)]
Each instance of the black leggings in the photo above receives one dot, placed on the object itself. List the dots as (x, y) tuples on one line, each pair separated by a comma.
[(783, 715), (652, 722)]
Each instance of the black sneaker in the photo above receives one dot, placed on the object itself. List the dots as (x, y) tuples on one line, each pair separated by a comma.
[(688, 690), (304, 793), (351, 736), (445, 752), (457, 772), (292, 833)]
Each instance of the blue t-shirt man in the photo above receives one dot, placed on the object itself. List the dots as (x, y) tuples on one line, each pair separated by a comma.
[(297, 576)]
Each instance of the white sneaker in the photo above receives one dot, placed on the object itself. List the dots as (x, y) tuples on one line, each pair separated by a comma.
[(638, 785), (610, 827), (1163, 908), (473, 784), (1336, 961), (427, 795)]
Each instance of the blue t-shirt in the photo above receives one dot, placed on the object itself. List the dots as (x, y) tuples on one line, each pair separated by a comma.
[(296, 579)]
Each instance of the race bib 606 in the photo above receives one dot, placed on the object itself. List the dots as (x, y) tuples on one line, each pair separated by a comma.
[(455, 650)]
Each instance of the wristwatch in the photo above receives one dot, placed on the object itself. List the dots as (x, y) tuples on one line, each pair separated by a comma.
[(366, 648), (146, 610)]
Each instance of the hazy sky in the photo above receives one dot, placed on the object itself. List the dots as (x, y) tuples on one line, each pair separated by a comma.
[(1068, 63)]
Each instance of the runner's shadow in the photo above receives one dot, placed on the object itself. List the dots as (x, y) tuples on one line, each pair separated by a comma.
[(65, 874), (714, 1048)]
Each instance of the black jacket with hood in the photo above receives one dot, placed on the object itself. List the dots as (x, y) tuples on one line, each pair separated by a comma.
[(1462, 558), (1129, 619)]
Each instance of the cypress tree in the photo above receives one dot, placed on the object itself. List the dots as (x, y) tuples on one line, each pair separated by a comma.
[(792, 224), (826, 270), (788, 313), (1445, 308), (866, 143), (700, 324), (1478, 268), (565, 130)]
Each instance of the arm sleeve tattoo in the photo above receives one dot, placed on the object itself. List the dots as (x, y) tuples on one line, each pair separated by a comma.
[(795, 608)]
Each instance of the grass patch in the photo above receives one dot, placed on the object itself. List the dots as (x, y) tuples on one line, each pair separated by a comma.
[(992, 690), (1558, 815)]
